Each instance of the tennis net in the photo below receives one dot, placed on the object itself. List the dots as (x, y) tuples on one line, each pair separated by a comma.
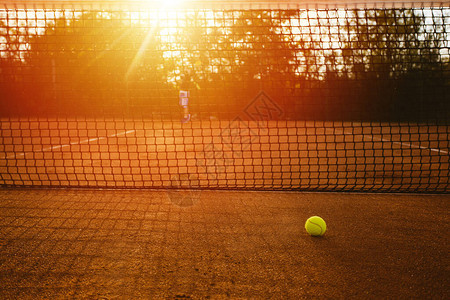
[(260, 95)]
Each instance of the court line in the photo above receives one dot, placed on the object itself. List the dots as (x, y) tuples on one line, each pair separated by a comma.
[(399, 143), (70, 144), (412, 145)]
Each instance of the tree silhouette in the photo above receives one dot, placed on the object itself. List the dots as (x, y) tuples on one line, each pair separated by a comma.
[(95, 63), (393, 68), (232, 59), (11, 69), (387, 67)]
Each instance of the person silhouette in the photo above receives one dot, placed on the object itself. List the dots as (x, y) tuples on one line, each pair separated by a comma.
[(184, 97)]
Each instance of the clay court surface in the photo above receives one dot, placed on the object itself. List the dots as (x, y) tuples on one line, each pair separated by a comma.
[(130, 244)]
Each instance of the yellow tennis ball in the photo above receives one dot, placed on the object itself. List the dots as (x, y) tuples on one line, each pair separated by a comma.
[(316, 226)]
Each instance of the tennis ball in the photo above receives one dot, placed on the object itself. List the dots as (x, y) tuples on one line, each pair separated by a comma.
[(315, 226)]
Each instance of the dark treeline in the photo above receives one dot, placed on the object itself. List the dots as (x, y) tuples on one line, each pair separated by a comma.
[(384, 66)]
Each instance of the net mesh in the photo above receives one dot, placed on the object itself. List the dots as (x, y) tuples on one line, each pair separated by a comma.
[(226, 95)]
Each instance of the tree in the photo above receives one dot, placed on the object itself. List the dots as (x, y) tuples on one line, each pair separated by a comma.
[(95, 62), (241, 53), (391, 61), (11, 69), (388, 63)]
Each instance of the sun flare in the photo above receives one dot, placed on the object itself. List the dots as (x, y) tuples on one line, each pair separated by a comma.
[(166, 3)]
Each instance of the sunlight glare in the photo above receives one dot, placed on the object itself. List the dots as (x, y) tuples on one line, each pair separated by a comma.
[(167, 3)]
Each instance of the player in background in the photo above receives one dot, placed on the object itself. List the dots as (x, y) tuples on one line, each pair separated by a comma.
[(184, 97)]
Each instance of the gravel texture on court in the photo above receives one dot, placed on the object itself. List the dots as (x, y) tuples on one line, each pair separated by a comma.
[(103, 244)]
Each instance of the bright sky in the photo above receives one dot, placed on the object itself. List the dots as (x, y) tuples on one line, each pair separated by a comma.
[(167, 3)]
